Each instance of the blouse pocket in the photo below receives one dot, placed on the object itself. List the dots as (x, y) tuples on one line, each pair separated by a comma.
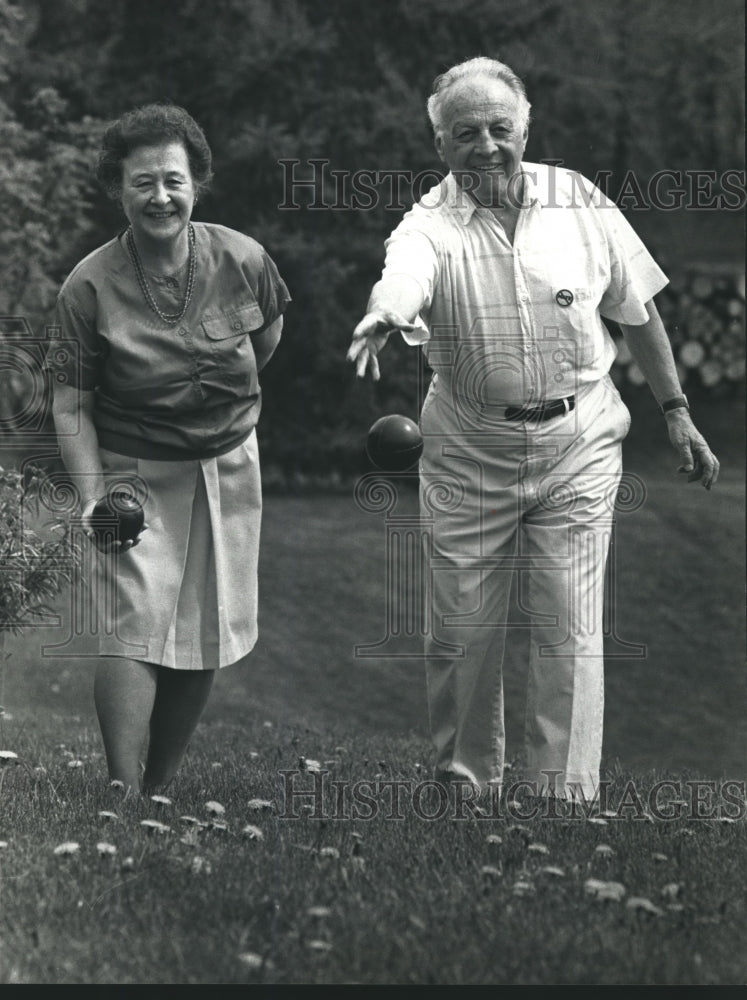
[(234, 322)]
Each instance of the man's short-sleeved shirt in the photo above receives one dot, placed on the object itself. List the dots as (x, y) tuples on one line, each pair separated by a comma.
[(170, 392), (520, 323)]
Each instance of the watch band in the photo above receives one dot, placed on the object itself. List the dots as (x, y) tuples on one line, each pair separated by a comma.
[(675, 403)]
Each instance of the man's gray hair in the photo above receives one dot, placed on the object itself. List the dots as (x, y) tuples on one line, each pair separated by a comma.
[(480, 66)]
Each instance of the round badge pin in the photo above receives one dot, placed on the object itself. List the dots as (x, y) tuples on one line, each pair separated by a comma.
[(564, 297)]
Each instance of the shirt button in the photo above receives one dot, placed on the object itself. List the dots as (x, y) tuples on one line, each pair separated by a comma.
[(181, 331), (237, 324)]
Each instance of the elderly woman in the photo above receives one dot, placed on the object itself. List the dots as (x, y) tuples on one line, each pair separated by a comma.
[(173, 321)]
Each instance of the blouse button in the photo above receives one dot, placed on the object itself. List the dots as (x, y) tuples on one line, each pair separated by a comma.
[(237, 324), (181, 331)]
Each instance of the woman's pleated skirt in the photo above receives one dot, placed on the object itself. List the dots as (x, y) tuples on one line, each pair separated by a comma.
[(186, 595)]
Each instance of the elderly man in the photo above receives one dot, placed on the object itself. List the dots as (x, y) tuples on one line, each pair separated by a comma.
[(503, 272)]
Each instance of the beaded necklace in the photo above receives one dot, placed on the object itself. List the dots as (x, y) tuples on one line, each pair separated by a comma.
[(143, 281)]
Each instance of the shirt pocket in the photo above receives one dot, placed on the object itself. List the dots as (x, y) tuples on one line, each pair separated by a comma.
[(234, 322)]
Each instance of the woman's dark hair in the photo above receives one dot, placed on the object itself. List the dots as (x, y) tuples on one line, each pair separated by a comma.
[(153, 125)]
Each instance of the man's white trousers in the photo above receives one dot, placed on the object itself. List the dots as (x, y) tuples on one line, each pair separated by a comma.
[(537, 500)]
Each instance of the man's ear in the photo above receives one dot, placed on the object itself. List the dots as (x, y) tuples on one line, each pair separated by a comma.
[(438, 142)]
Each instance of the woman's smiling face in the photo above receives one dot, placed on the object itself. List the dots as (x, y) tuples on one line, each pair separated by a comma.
[(158, 193)]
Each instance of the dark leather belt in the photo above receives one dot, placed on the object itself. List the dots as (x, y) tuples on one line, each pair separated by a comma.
[(553, 408)]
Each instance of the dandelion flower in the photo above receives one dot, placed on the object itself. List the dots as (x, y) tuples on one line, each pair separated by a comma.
[(215, 808), (192, 820), (538, 848), (597, 821), (161, 800), (117, 784), (317, 945), (218, 826), (259, 804), (127, 864), (216, 765), (608, 814), (491, 871), (200, 866), (645, 905), (553, 870), (251, 960), (155, 826), (604, 850), (319, 911), (253, 754), (604, 890), (8, 757), (657, 856), (725, 819), (253, 832), (329, 852), (671, 890), (108, 815), (75, 763), (68, 847), (105, 849), (267, 724), (522, 888), (312, 766), (3, 844), (494, 838)]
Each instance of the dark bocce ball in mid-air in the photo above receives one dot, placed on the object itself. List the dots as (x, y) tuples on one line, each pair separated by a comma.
[(394, 443)]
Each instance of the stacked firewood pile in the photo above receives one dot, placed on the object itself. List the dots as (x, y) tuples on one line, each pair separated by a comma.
[(704, 313)]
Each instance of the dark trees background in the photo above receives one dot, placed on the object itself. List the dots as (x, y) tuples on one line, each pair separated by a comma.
[(631, 86)]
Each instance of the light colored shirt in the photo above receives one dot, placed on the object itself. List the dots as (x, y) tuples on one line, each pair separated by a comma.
[(516, 324), (169, 392)]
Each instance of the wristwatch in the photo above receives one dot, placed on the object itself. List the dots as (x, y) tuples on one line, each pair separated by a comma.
[(675, 403)]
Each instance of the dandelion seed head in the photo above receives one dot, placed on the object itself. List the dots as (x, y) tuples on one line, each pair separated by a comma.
[(597, 821), (658, 856), (215, 808), (319, 912), (8, 756), (108, 815), (117, 784), (3, 844), (604, 850), (161, 800), (75, 763), (553, 870), (200, 866), (329, 852), (494, 838), (128, 864), (105, 849), (253, 832)]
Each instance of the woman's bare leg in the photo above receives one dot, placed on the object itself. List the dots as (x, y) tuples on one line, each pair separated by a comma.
[(181, 696), (124, 692)]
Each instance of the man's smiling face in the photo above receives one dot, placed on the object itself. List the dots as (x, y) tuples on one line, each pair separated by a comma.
[(482, 138)]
